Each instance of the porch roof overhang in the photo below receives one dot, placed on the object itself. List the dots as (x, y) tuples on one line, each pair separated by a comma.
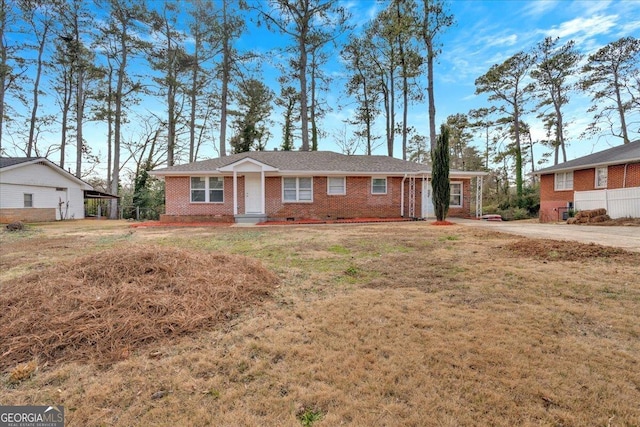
[(94, 194), (247, 165), (271, 171)]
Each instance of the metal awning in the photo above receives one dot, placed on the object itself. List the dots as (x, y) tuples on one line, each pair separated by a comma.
[(94, 194)]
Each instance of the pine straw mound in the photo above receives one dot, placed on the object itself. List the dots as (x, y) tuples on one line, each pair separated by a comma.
[(558, 250), (101, 307)]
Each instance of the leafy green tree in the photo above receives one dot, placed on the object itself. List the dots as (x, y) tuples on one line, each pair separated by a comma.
[(148, 194), (459, 138), (440, 175), (287, 99), (555, 66), (506, 84), (611, 76), (254, 101), (417, 149)]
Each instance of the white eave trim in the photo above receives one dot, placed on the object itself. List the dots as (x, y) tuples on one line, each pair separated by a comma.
[(277, 172), (56, 168), (589, 166), (232, 166)]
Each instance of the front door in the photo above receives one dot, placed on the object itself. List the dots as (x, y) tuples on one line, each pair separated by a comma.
[(427, 199), (253, 194)]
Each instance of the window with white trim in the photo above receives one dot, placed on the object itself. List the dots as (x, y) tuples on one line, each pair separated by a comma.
[(563, 181), (28, 200), (455, 194), (297, 189), (378, 185), (207, 189), (601, 177), (336, 186)]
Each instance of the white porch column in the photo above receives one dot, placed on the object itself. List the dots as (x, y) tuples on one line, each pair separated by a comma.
[(264, 190), (235, 192)]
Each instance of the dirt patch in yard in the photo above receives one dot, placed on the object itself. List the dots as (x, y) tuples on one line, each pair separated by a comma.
[(103, 306), (558, 250)]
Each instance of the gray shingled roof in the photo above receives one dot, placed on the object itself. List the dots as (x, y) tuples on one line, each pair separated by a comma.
[(5, 162), (626, 153), (304, 161)]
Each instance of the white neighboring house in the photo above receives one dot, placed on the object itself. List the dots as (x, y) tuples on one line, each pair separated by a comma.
[(34, 189)]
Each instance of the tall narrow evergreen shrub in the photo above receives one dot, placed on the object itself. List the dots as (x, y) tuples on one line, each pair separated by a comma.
[(440, 174)]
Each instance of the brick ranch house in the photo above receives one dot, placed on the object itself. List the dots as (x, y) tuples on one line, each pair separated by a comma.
[(292, 185), (609, 179)]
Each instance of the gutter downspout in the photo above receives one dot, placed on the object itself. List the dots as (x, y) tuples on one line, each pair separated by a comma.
[(402, 196), (624, 176)]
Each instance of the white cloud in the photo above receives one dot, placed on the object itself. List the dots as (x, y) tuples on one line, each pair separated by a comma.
[(584, 27), (500, 40), (539, 8)]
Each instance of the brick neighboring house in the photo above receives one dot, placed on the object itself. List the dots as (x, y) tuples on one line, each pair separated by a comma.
[(281, 185), (609, 179)]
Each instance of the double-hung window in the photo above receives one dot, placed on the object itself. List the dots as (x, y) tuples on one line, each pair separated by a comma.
[(601, 177), (563, 181), (378, 185), (216, 189), (207, 189), (336, 186), (297, 189), (455, 194), (28, 200)]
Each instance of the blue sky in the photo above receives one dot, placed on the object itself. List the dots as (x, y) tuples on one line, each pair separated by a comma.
[(486, 33)]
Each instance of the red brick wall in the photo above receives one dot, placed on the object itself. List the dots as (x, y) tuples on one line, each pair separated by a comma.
[(465, 210), (359, 202), (616, 176), (552, 202), (178, 199), (8, 215)]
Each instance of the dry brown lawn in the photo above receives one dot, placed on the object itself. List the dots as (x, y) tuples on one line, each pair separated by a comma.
[(401, 324)]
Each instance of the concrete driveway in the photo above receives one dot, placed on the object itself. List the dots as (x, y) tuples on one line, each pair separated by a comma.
[(617, 236)]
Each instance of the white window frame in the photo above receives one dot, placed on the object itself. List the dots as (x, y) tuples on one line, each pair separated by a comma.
[(386, 184), (561, 181), (331, 189), (599, 184), (298, 189), (207, 189), (451, 194), (24, 199)]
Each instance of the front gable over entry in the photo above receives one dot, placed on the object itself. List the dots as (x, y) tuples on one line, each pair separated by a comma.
[(247, 165), (254, 185)]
